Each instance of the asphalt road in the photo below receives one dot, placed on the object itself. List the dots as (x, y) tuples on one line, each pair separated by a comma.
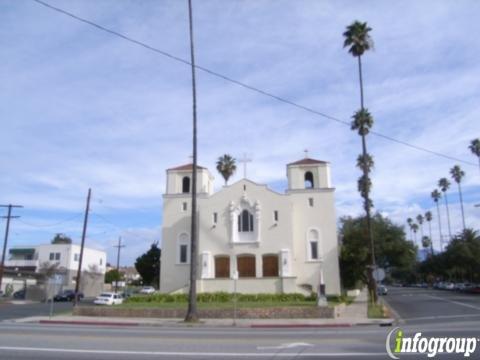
[(433, 313), (428, 306), (36, 341)]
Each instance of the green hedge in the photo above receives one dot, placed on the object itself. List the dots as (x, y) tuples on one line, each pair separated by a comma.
[(220, 297)]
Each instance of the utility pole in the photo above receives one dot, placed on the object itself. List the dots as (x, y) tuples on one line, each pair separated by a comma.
[(8, 217), (84, 232), (192, 315), (119, 246)]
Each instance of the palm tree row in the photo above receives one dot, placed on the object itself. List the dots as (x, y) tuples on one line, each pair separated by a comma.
[(425, 241), (457, 175)]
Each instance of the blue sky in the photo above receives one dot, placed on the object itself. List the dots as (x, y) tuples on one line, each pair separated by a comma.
[(81, 108)]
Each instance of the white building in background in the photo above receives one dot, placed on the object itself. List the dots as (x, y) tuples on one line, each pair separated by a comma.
[(65, 259), (274, 242)]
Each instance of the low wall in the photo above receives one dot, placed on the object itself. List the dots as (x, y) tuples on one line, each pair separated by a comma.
[(288, 312)]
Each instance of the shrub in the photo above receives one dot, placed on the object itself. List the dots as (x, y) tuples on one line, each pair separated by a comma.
[(221, 297)]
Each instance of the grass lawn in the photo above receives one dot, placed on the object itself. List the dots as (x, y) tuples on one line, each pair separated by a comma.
[(375, 311)]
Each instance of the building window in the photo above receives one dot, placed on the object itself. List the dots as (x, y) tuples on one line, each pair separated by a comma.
[(183, 254), (275, 215), (314, 250), (184, 206), (186, 185), (215, 218), (52, 256), (101, 261), (270, 265), (222, 266), (183, 245), (313, 245), (310, 202), (57, 256), (246, 266), (76, 257), (245, 222), (309, 180)]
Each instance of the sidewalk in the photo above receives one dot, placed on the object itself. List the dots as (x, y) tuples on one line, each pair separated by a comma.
[(354, 314)]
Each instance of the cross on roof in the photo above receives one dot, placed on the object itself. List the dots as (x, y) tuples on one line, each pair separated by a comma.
[(245, 160), (306, 153)]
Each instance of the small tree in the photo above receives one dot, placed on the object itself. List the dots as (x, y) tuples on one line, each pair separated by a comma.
[(148, 265), (61, 239), (112, 276)]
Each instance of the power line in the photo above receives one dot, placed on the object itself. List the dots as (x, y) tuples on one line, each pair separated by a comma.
[(129, 232), (52, 224), (244, 85)]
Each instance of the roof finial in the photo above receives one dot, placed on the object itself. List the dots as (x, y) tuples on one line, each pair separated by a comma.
[(191, 158), (306, 153), (245, 160)]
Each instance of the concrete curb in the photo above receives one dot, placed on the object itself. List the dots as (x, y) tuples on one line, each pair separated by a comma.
[(105, 323), (296, 326), (243, 323)]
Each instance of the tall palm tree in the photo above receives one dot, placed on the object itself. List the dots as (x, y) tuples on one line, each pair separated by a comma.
[(192, 313), (410, 222), (415, 229), (457, 175), (428, 219), (436, 195), (226, 166), (444, 185), (475, 149), (426, 242), (358, 41), (420, 223)]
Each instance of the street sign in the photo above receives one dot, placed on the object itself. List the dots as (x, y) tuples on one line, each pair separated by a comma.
[(379, 274)]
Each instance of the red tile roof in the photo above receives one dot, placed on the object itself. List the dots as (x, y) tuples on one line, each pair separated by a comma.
[(307, 161), (186, 167)]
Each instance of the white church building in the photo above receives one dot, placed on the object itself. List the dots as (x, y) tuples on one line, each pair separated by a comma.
[(272, 242)]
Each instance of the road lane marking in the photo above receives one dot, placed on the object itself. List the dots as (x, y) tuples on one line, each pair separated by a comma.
[(183, 354), (443, 317), (284, 346), (455, 302)]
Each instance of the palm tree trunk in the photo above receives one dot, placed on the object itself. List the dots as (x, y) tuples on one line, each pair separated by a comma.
[(431, 239), (461, 205), (192, 314), (372, 283), (439, 226), (448, 216)]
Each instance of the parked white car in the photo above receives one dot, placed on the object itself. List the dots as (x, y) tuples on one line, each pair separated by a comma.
[(147, 290), (108, 298)]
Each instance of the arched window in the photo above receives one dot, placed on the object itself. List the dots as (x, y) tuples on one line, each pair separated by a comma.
[(222, 266), (309, 180), (246, 266), (186, 185), (270, 265), (313, 245), (245, 221)]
